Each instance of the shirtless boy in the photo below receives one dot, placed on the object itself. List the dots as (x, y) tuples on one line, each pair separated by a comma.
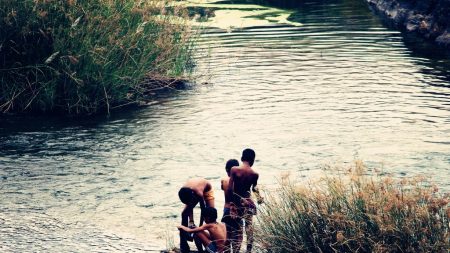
[(242, 179), (212, 234), (234, 224), (195, 190)]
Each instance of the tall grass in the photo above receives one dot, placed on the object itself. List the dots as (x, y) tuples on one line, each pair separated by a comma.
[(355, 213), (85, 56)]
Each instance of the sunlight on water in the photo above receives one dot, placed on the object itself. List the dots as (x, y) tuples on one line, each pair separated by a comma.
[(228, 16)]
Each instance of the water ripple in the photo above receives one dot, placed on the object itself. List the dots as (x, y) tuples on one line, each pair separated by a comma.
[(339, 87)]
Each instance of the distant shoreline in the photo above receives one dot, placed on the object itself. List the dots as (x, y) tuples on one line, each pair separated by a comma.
[(428, 19)]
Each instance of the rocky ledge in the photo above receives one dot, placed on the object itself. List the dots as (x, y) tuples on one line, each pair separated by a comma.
[(427, 18)]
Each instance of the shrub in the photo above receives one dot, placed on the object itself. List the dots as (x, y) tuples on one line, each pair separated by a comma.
[(355, 213), (82, 56)]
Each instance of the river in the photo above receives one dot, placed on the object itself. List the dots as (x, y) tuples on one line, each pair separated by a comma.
[(319, 84)]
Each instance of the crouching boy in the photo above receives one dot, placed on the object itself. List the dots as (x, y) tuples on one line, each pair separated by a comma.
[(211, 234)]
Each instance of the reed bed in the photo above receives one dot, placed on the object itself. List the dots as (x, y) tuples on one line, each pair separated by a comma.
[(355, 212), (87, 56)]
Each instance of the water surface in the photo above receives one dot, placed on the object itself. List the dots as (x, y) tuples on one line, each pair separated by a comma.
[(326, 84)]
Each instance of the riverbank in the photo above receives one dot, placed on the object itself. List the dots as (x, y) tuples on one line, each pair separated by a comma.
[(355, 212), (427, 19), (351, 209), (88, 57)]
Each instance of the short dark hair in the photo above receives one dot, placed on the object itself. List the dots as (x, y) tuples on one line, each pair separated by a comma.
[(186, 195), (210, 213), (230, 164), (248, 155)]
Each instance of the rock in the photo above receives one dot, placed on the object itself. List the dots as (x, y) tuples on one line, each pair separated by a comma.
[(429, 19), (444, 39)]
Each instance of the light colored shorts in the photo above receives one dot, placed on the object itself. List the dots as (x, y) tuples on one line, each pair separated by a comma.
[(209, 195)]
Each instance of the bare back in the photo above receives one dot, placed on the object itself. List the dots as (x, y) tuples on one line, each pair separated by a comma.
[(200, 186), (243, 179), (218, 233)]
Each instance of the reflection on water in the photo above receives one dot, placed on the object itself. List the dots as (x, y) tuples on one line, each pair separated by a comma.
[(337, 87)]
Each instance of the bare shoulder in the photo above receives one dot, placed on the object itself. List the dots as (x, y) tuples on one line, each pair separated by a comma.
[(224, 180), (253, 171), (224, 183), (233, 171), (209, 225), (193, 182)]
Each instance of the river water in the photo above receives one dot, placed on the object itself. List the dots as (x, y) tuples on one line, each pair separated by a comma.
[(321, 83)]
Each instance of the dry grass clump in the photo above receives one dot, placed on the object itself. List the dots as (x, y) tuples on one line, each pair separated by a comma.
[(83, 56), (356, 213)]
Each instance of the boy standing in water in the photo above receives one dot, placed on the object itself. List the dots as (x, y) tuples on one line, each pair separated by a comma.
[(195, 190), (212, 234), (242, 179), (234, 224)]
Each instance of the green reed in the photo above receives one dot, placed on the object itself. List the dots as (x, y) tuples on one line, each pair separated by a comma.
[(355, 213), (86, 56)]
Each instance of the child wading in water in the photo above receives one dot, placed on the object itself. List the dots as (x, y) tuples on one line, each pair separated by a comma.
[(212, 234)]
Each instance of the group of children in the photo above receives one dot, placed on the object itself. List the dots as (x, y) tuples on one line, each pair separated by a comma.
[(225, 236)]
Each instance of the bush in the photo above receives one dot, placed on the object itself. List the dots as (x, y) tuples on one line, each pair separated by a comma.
[(355, 213), (87, 55)]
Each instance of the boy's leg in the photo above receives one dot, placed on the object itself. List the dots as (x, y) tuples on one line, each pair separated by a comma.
[(184, 246), (239, 228), (229, 240), (201, 239), (237, 237), (229, 225), (249, 231)]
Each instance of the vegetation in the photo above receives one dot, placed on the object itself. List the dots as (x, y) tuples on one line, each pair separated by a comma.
[(86, 56), (356, 213)]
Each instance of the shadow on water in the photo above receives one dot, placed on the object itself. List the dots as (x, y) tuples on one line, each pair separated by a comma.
[(17, 123)]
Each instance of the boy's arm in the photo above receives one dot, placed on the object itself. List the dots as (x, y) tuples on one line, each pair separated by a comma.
[(191, 215), (193, 230), (231, 184), (259, 198), (202, 207), (255, 182)]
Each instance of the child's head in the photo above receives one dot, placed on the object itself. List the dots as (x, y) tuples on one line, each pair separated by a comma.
[(230, 164), (210, 214), (187, 195), (248, 155)]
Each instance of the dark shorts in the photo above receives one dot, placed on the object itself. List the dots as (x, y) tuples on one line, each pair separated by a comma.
[(212, 247), (232, 224)]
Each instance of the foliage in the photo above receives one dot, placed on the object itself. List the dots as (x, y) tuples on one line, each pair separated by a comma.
[(356, 213), (82, 56)]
